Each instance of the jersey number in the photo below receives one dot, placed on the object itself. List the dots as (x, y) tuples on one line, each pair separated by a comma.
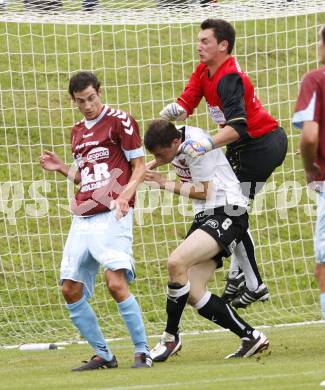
[(226, 223)]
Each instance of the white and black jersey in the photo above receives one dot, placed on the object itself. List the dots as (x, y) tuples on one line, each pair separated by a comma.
[(223, 215), (213, 167)]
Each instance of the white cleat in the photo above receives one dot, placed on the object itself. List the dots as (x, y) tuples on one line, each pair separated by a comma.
[(250, 347), (167, 346)]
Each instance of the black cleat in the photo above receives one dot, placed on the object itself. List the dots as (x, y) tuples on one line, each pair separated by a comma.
[(233, 287), (167, 346), (247, 297), (97, 362), (250, 347), (142, 360)]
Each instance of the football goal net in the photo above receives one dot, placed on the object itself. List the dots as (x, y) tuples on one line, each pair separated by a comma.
[(143, 53)]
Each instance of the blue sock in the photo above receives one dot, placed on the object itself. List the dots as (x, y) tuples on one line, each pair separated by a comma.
[(322, 304), (132, 316), (84, 318)]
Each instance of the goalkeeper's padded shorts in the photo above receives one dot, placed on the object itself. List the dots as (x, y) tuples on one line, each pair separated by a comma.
[(254, 160)]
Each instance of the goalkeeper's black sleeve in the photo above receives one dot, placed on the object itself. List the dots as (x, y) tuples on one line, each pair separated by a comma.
[(230, 90)]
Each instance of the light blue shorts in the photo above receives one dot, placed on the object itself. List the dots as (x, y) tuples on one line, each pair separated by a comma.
[(101, 239), (320, 227)]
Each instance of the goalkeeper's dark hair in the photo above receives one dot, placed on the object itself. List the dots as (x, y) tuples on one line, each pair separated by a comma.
[(160, 133), (81, 81), (222, 30)]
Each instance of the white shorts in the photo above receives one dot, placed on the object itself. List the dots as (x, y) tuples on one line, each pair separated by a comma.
[(320, 227), (101, 239)]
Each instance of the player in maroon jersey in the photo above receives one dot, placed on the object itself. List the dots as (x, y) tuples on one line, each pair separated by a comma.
[(310, 117), (109, 157), (255, 143)]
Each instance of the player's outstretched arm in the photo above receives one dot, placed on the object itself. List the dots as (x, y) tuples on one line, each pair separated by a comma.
[(51, 162), (197, 190), (153, 164)]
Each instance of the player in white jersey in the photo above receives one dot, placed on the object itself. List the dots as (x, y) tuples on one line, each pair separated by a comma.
[(220, 222)]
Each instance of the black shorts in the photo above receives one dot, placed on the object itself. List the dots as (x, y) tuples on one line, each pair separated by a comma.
[(254, 160), (227, 228)]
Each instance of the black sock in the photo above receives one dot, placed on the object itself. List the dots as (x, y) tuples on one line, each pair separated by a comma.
[(176, 300), (217, 311), (250, 254)]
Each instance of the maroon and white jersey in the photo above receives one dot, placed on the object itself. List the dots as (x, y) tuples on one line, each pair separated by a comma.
[(311, 107), (102, 149)]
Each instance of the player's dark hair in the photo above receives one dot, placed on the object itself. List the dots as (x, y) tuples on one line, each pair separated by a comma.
[(222, 30), (81, 81), (160, 133)]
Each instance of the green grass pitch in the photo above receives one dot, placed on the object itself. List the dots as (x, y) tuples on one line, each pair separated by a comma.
[(295, 360), (142, 68)]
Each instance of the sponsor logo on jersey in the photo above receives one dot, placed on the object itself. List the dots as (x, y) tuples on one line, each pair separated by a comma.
[(85, 144), (97, 154), (87, 135), (212, 223), (217, 115)]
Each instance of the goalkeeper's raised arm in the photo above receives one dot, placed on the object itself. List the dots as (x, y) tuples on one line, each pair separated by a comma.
[(173, 112)]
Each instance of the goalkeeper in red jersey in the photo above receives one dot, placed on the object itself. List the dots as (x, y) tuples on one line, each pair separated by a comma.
[(256, 145)]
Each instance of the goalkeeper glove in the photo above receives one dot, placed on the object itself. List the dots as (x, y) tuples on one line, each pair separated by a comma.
[(173, 112), (196, 148)]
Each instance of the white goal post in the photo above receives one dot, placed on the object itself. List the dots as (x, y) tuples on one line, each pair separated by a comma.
[(143, 52)]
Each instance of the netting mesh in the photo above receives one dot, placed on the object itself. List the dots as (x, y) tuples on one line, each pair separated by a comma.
[(143, 52)]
